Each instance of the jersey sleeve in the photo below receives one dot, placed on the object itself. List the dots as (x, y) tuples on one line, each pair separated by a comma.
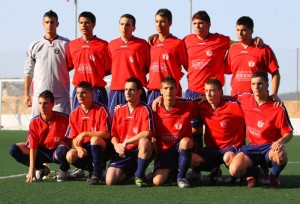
[(29, 61)]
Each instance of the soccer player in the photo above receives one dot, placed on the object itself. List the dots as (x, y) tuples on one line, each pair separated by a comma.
[(168, 54), (173, 135), (89, 57), (224, 131), (89, 131), (268, 129), (130, 58), (131, 136), (45, 142), (46, 68), (244, 58)]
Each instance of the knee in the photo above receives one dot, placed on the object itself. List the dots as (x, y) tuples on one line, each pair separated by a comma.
[(14, 150), (157, 181), (61, 152), (279, 157), (71, 156), (145, 143), (186, 143)]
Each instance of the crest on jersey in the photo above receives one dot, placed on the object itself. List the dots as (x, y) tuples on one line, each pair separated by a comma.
[(56, 139), (92, 58), (56, 51), (223, 124), (93, 129), (131, 59), (135, 130), (178, 126), (165, 56), (209, 52), (251, 63), (260, 123)]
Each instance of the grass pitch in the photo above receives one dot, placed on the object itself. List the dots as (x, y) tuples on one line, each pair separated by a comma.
[(14, 189)]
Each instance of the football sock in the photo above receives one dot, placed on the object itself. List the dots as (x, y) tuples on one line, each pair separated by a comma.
[(253, 171), (16, 153), (61, 152), (277, 169), (142, 165), (185, 157), (97, 155)]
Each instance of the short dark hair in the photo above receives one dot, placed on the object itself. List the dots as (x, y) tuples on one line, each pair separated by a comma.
[(86, 85), (262, 74), (246, 21), (47, 94), (201, 15), (169, 80), (165, 13), (129, 16), (89, 15), (138, 83), (51, 14), (214, 81)]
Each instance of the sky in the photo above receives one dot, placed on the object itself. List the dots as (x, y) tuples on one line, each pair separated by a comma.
[(275, 21)]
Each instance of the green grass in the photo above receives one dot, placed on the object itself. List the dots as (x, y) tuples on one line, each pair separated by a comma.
[(16, 190)]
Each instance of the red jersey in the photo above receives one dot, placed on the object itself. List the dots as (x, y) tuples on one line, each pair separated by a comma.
[(47, 135), (173, 125), (224, 126), (90, 61), (243, 62), (206, 59), (129, 59), (126, 125), (97, 119), (167, 57), (265, 123)]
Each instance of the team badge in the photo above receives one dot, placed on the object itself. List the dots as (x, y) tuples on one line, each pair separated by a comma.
[(131, 59), (260, 123), (92, 58), (223, 124), (178, 126), (251, 63), (209, 52), (56, 139), (93, 129), (135, 130), (165, 56), (56, 51)]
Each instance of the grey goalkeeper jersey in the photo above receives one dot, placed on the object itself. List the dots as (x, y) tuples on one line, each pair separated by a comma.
[(46, 63)]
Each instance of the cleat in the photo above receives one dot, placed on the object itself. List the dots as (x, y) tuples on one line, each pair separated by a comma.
[(252, 182), (264, 178), (216, 175), (77, 173), (193, 176), (94, 180), (62, 176), (40, 173), (140, 182), (274, 182), (183, 183)]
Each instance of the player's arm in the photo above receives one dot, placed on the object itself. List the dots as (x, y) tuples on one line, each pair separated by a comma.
[(31, 171), (152, 39), (275, 85), (102, 134), (280, 142), (119, 148), (137, 137), (27, 97)]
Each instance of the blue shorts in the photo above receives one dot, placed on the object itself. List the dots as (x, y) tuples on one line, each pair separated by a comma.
[(213, 156), (167, 159), (152, 95), (258, 154), (100, 96), (127, 164), (118, 97)]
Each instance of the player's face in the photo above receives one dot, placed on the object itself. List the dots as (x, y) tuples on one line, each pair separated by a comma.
[(162, 25), (168, 91), (45, 105), (258, 86), (50, 24), (86, 26), (243, 33), (126, 27), (84, 96), (131, 93), (212, 94), (201, 28)]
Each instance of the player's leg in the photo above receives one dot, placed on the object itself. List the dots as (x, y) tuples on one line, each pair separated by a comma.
[(184, 160), (145, 150), (160, 176), (64, 166), (20, 153)]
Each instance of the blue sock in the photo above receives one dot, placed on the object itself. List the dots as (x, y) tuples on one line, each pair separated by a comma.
[(61, 153), (276, 169), (185, 157), (16, 153), (253, 171), (142, 165), (97, 155)]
